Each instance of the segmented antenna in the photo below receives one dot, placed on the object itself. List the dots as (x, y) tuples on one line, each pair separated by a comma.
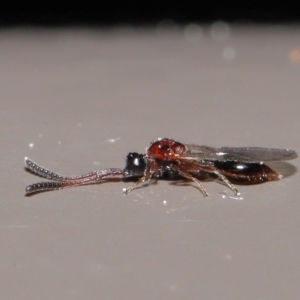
[(60, 181), (41, 171), (44, 186)]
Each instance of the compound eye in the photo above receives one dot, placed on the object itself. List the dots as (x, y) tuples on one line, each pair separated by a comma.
[(133, 158), (130, 156)]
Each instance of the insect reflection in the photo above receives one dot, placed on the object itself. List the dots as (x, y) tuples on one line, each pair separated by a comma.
[(169, 159)]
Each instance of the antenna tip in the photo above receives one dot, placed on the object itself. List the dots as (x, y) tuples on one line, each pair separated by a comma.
[(29, 189)]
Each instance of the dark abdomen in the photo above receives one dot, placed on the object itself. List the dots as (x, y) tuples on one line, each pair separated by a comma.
[(246, 173)]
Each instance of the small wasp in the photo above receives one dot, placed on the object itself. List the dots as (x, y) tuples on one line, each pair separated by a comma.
[(169, 159)]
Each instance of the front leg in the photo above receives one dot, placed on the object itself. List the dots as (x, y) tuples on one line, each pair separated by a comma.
[(149, 172)]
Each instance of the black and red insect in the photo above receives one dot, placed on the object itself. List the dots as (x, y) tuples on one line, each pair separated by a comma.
[(169, 159)]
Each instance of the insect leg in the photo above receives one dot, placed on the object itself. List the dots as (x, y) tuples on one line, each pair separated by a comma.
[(150, 170), (191, 177), (141, 180), (227, 182)]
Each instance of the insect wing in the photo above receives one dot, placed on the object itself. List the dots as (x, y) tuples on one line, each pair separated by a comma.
[(243, 154)]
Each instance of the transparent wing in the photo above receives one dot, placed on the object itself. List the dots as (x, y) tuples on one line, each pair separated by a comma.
[(243, 154)]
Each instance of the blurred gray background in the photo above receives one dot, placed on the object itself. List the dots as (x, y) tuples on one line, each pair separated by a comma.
[(79, 99)]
